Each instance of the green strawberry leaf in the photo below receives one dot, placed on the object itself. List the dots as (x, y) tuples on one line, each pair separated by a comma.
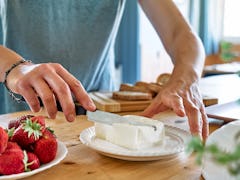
[(11, 132), (32, 128)]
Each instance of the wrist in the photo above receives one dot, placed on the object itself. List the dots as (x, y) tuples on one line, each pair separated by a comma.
[(8, 71), (185, 76)]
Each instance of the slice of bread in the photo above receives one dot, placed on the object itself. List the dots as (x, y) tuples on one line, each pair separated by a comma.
[(127, 87), (156, 87), (131, 95)]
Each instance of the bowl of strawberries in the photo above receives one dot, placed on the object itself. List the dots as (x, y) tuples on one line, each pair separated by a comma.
[(28, 146)]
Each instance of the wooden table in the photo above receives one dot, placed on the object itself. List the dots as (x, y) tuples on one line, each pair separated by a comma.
[(224, 87), (84, 163), (215, 65)]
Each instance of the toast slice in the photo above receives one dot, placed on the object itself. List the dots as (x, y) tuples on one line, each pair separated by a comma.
[(131, 95)]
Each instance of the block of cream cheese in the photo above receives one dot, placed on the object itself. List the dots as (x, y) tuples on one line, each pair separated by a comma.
[(149, 133)]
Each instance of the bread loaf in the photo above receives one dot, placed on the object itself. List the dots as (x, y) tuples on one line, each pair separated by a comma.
[(156, 87), (149, 87), (141, 90), (163, 78)]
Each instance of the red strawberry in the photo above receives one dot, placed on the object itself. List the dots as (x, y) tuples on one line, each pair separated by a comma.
[(49, 133), (40, 120), (11, 161), (27, 133), (3, 140), (32, 162), (16, 122), (12, 146), (46, 147)]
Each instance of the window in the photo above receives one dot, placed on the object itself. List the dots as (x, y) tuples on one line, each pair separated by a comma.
[(231, 30), (231, 24), (154, 59)]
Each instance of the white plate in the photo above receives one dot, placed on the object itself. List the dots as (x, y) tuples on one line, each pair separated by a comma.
[(61, 154), (224, 138), (174, 143)]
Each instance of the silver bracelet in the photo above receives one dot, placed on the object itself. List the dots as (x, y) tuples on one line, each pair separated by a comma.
[(12, 94)]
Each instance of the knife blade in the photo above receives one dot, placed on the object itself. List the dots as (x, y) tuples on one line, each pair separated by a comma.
[(111, 118)]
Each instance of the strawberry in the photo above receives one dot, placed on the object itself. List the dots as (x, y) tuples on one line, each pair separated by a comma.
[(39, 119), (11, 161), (49, 133), (12, 146), (16, 122), (46, 147), (32, 161), (27, 133), (3, 140)]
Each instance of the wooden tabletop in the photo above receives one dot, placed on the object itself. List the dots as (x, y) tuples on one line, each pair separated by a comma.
[(85, 163), (82, 162), (224, 87)]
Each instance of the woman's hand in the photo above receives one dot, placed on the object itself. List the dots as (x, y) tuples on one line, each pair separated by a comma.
[(50, 82), (184, 99), (187, 54)]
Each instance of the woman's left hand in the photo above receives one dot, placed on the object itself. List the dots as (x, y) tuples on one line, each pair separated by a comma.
[(183, 99)]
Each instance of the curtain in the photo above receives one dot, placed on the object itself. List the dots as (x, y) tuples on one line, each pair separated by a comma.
[(127, 52), (207, 19)]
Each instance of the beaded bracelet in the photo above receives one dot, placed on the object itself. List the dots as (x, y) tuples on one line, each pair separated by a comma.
[(12, 94)]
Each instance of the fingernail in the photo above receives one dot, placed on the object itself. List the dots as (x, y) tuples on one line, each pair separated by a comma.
[(52, 115), (35, 110), (71, 118), (91, 105), (199, 135)]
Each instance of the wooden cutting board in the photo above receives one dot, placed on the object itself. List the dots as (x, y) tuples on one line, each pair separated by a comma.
[(104, 102), (227, 112)]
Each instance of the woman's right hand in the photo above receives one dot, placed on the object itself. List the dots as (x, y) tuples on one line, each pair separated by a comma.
[(50, 82)]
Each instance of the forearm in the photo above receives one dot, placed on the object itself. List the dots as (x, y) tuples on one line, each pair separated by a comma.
[(184, 48), (188, 57), (7, 59)]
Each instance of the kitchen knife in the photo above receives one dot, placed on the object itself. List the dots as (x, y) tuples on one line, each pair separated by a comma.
[(110, 118), (79, 109)]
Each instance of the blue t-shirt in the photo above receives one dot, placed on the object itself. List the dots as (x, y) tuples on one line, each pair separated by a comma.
[(79, 34)]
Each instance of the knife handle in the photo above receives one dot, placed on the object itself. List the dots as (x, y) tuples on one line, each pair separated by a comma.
[(79, 109)]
